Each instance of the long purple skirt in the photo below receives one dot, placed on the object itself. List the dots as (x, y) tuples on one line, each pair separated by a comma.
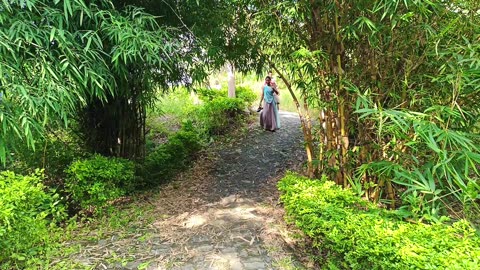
[(269, 119)]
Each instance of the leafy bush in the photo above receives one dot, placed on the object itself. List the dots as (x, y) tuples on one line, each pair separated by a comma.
[(214, 116), (27, 212), (207, 95), (245, 94), (54, 152), (172, 156), (434, 161), (364, 236), (97, 180), (218, 115)]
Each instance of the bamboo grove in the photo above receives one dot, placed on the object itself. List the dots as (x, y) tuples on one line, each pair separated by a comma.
[(388, 97), (87, 63)]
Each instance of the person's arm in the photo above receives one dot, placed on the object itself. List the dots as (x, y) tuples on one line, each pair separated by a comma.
[(261, 99), (275, 89)]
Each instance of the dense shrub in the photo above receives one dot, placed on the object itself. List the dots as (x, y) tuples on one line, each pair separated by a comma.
[(219, 113), (358, 235), (97, 180), (214, 116), (217, 116), (168, 158), (246, 94), (243, 93), (207, 95), (54, 152), (27, 211)]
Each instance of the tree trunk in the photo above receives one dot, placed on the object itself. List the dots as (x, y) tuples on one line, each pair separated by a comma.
[(305, 122), (116, 127), (231, 80)]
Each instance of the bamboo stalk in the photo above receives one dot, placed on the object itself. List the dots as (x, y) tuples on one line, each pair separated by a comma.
[(305, 122), (342, 138)]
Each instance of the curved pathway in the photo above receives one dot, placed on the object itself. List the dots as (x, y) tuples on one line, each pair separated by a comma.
[(224, 213)]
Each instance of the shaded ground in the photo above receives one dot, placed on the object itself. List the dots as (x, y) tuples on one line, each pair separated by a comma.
[(221, 214)]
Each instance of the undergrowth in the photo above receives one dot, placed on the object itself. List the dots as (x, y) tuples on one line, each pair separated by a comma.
[(351, 233), (90, 187)]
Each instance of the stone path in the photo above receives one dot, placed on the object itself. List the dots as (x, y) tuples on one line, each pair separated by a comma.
[(222, 214)]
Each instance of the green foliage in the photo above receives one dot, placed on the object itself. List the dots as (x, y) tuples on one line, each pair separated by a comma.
[(54, 153), (57, 69), (177, 103), (214, 116), (70, 54), (95, 181), (363, 236), (445, 165), (215, 29), (168, 158), (27, 212), (207, 95), (423, 131), (245, 94), (410, 69), (220, 114)]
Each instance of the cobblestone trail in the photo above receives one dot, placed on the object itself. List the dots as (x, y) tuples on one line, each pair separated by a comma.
[(229, 217)]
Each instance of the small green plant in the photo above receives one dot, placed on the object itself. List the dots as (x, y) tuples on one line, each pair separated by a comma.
[(168, 158), (241, 92), (219, 113), (27, 213), (361, 235), (95, 181)]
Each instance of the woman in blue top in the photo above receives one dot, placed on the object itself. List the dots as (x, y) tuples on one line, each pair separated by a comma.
[(269, 118)]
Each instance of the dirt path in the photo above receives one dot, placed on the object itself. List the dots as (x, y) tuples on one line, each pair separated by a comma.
[(222, 214)]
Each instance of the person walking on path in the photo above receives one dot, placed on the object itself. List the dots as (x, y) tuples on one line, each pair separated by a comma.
[(269, 117), (277, 94)]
